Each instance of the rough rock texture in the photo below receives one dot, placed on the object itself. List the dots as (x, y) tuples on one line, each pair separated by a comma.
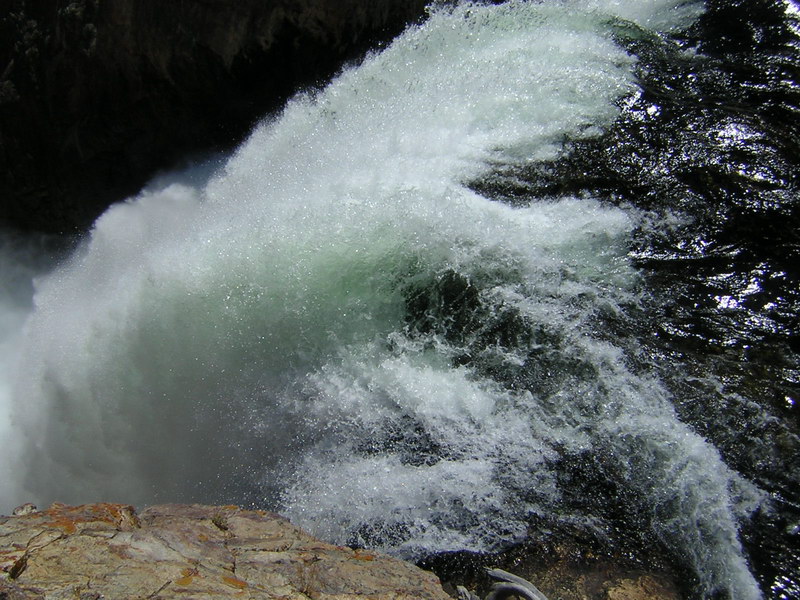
[(95, 95), (566, 570), (189, 551)]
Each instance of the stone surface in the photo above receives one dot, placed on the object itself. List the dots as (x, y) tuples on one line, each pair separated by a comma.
[(96, 95), (567, 570), (190, 551)]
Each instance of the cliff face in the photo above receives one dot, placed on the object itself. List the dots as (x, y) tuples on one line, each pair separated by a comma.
[(95, 95), (180, 551)]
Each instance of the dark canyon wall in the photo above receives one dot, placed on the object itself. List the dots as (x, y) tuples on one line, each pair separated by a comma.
[(96, 95)]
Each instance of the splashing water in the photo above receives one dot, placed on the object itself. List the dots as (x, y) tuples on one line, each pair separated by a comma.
[(335, 326)]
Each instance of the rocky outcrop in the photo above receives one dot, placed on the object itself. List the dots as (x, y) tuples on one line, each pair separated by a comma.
[(190, 551), (194, 551), (95, 95)]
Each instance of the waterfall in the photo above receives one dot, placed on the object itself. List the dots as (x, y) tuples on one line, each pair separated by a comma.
[(334, 324)]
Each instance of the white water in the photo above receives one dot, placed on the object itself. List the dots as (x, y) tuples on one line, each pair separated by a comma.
[(21, 260), (250, 339)]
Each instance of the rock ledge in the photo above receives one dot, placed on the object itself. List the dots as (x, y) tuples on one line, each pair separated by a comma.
[(190, 551)]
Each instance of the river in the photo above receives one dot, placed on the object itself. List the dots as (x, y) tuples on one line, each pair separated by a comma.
[(530, 267)]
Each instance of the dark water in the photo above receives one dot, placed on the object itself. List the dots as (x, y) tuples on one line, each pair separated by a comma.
[(711, 150)]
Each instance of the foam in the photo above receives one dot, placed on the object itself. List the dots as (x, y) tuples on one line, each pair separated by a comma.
[(248, 338)]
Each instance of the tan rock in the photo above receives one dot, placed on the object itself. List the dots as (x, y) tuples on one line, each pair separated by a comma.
[(190, 551), (644, 587)]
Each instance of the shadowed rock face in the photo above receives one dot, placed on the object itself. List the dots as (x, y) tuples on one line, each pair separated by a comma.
[(181, 551), (96, 95)]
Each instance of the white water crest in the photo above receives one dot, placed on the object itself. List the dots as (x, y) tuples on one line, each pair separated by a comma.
[(336, 326)]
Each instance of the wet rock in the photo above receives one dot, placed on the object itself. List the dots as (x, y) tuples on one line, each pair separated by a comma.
[(569, 569), (640, 588), (190, 551)]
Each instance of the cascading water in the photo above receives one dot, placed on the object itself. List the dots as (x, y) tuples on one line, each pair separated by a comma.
[(336, 325)]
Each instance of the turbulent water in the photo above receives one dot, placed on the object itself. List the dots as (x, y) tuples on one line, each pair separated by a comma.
[(382, 318)]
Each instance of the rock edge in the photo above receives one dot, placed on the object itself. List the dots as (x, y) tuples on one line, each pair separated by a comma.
[(190, 551)]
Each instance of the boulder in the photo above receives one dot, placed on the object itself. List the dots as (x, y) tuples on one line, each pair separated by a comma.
[(190, 551)]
